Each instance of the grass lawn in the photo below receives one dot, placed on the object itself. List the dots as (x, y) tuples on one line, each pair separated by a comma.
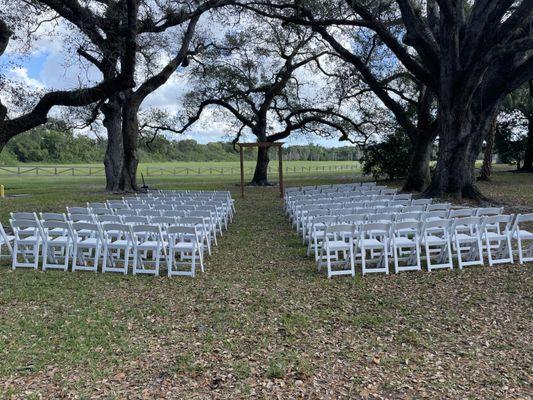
[(261, 322)]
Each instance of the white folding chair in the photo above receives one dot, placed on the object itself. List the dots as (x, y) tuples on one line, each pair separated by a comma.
[(496, 234), (26, 243), (317, 230), (374, 237), (436, 239), (337, 250), (148, 249), (523, 236), (204, 235), (467, 237), (183, 243), (118, 243), (406, 246), (86, 246), (56, 244), (6, 240), (209, 223)]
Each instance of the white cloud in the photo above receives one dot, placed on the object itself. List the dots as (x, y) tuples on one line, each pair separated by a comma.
[(20, 75)]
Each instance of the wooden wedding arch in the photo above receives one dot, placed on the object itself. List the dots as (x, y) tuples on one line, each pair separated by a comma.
[(280, 162)]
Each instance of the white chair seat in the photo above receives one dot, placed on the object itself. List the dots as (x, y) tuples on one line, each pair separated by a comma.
[(150, 244), (496, 236), (371, 243), (88, 242), (433, 240), (58, 240), (29, 240), (118, 244), (523, 234), (337, 245), (183, 246), (403, 241), (463, 237)]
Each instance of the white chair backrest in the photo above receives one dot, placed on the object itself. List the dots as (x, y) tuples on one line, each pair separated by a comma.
[(403, 228), (375, 229), (483, 212), (461, 213), (24, 216), (497, 222), (419, 207), (101, 211), (421, 202), (114, 231), (109, 219), (85, 229), (135, 220), (81, 218), (472, 223), (53, 217), (163, 221), (78, 210), (126, 212), (405, 217), (96, 205)]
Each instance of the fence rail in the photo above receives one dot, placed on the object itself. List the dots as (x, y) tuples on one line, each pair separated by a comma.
[(51, 170), (228, 171)]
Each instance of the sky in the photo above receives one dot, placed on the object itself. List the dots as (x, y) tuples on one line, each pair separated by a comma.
[(47, 66)]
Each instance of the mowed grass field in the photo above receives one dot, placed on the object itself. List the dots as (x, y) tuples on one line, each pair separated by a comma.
[(262, 322)]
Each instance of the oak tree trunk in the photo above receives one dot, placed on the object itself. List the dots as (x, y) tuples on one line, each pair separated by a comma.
[(461, 133), (528, 156), (260, 177), (486, 168), (418, 174), (130, 137), (114, 156)]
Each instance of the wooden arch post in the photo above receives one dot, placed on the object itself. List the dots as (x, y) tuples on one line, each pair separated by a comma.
[(280, 162)]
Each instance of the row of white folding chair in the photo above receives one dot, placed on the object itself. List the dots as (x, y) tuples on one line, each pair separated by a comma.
[(436, 211), (347, 185), (202, 219), (222, 209), (373, 189), (315, 222), (469, 237), (292, 210), (85, 245), (347, 195), (216, 219), (365, 202), (304, 222)]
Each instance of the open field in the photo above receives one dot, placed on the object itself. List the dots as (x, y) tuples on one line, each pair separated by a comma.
[(261, 322)]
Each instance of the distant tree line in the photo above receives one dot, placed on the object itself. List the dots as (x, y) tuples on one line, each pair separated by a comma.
[(55, 144)]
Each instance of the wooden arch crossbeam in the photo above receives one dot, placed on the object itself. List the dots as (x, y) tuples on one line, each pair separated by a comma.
[(280, 161)]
